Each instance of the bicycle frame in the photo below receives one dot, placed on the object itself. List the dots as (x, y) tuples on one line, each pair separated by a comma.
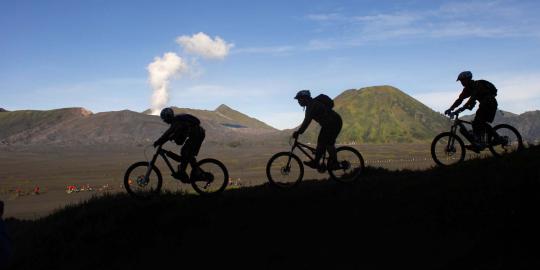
[(461, 124), (303, 148), (163, 153)]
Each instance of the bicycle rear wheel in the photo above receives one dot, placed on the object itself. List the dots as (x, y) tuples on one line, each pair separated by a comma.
[(350, 165), (447, 149), (284, 170), (140, 187), (213, 179), (504, 139)]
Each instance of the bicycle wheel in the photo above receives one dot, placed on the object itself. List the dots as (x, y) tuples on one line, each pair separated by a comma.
[(447, 149), (504, 139), (350, 165), (214, 177), (136, 184), (284, 170)]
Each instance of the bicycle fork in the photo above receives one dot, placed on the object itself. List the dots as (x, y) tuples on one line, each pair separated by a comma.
[(450, 146), (150, 166)]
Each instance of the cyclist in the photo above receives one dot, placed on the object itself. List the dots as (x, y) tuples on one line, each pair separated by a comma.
[(185, 129), (483, 92), (320, 111)]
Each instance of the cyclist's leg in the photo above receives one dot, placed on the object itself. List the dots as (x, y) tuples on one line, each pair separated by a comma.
[(484, 115), (192, 146), (321, 145), (331, 143), (479, 126)]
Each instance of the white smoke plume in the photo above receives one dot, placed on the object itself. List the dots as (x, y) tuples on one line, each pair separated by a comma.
[(203, 45), (160, 72)]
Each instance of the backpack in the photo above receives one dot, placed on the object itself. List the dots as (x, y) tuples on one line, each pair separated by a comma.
[(189, 118), (492, 89), (325, 100)]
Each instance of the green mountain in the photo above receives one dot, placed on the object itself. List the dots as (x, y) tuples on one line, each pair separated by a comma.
[(383, 114)]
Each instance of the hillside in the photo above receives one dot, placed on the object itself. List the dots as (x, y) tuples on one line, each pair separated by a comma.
[(527, 123), (225, 116), (477, 215), (384, 114), (25, 124), (77, 126)]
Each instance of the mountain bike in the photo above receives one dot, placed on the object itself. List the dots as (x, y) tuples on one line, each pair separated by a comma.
[(286, 170), (448, 148), (143, 179)]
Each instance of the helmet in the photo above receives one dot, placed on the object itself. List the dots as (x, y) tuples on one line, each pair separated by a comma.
[(302, 93), (167, 114), (465, 75)]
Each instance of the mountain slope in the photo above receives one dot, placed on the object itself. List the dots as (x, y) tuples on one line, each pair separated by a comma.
[(77, 126), (481, 214), (384, 114), (527, 123), (241, 119), (225, 116), (26, 124)]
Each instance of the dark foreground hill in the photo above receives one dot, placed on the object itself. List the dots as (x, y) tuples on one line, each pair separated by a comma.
[(482, 214)]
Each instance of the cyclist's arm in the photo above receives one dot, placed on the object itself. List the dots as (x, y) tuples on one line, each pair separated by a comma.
[(167, 135), (470, 103), (464, 94)]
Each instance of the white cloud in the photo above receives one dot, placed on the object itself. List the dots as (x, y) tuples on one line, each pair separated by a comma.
[(519, 87), (203, 45), (160, 72), (484, 19)]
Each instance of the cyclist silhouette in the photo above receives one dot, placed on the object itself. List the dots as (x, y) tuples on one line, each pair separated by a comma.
[(320, 110), (483, 92), (185, 129)]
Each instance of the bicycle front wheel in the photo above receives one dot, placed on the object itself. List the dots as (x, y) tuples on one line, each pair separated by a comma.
[(284, 170), (140, 187), (213, 179), (447, 149), (350, 165), (504, 139)]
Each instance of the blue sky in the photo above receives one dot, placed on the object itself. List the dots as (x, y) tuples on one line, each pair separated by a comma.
[(95, 54)]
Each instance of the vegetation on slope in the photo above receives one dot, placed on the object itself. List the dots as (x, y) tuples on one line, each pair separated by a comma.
[(383, 114), (477, 215)]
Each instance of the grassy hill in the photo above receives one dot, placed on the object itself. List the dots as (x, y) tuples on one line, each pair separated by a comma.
[(383, 114), (481, 214)]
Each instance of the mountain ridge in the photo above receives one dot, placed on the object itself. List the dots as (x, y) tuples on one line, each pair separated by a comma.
[(375, 114)]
